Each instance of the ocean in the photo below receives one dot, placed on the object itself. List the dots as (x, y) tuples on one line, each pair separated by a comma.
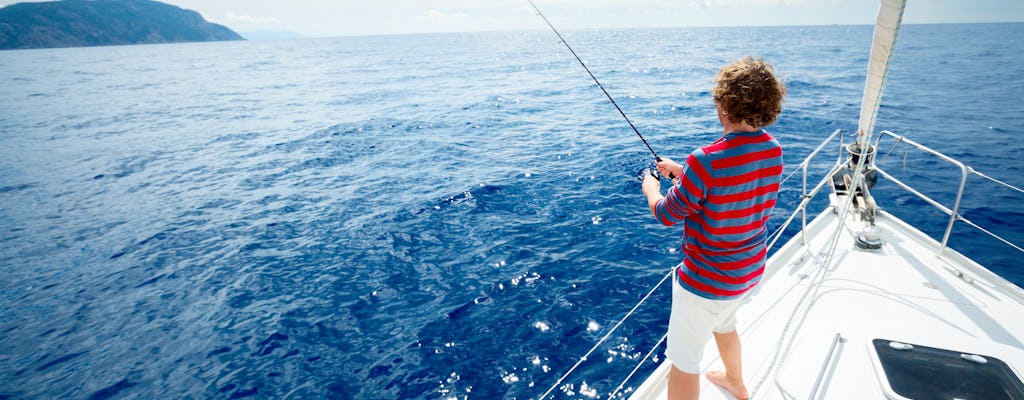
[(420, 216)]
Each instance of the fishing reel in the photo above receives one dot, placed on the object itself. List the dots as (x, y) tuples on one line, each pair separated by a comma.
[(644, 172)]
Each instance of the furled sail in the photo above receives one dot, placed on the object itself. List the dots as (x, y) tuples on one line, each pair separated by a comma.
[(887, 27)]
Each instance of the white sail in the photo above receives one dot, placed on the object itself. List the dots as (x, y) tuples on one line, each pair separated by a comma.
[(887, 27)]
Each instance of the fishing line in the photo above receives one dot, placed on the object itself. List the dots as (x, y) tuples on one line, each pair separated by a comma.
[(656, 157)]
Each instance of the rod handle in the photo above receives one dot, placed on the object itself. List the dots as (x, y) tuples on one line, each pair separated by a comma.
[(671, 175)]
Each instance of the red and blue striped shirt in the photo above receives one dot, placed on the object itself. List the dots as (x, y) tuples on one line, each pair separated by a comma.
[(724, 197)]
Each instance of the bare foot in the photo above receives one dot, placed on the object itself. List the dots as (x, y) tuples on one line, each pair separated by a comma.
[(738, 390)]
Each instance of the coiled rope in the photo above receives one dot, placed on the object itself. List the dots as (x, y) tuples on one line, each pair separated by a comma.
[(803, 307)]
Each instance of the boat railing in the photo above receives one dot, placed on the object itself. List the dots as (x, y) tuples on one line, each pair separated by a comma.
[(805, 194), (954, 212)]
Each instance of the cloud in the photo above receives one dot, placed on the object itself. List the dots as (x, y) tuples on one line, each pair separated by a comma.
[(435, 15), (733, 4), (249, 19)]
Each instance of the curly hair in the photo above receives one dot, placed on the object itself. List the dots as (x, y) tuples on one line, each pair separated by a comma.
[(747, 91)]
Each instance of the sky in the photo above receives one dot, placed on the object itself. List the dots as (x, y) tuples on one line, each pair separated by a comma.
[(327, 18)]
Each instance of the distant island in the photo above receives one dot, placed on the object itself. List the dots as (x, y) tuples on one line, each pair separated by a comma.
[(73, 23)]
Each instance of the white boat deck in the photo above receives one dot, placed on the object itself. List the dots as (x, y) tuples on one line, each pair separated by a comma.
[(903, 292), (808, 329)]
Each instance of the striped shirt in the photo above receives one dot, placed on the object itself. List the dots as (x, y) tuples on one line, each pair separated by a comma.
[(724, 198)]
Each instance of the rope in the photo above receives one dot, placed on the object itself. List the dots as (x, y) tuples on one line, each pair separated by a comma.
[(606, 336), (797, 169), (783, 346), (993, 235), (898, 141), (1011, 187), (785, 343), (971, 170)]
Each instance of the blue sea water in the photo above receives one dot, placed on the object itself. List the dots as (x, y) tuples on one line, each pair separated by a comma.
[(422, 216)]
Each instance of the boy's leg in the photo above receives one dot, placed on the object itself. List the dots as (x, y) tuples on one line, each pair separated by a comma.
[(683, 386), (731, 352)]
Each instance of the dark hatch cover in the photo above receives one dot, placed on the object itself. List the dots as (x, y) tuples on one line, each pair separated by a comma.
[(921, 372)]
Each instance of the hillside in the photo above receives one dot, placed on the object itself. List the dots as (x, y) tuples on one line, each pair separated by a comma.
[(73, 23)]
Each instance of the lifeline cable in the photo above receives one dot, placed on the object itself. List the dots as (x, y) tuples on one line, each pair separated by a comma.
[(606, 336), (598, 83)]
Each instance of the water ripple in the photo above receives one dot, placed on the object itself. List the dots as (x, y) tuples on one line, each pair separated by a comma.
[(450, 215)]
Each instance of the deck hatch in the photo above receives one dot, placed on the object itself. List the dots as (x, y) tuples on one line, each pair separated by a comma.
[(913, 371)]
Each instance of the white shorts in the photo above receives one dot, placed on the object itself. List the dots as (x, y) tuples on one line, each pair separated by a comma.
[(691, 323)]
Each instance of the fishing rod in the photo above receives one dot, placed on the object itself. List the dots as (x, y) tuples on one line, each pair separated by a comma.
[(656, 157)]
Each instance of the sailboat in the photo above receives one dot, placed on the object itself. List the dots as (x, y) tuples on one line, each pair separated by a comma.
[(861, 305)]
